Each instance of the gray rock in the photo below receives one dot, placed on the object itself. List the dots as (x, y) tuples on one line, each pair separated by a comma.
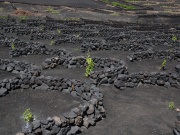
[(86, 122), (24, 86), (66, 90), (44, 65), (91, 109), (130, 84), (19, 68), (57, 120), (55, 130), (98, 95), (160, 82), (122, 77), (8, 86), (3, 92), (74, 93), (48, 61), (129, 58), (177, 125), (176, 132), (64, 130), (15, 72), (36, 124), (46, 132), (76, 110), (44, 122), (9, 69), (42, 87), (119, 83), (49, 119), (38, 131), (78, 120), (104, 81), (74, 130), (70, 115), (27, 129), (83, 107), (167, 84), (3, 67)]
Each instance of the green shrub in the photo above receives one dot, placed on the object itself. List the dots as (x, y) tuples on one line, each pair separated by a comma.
[(27, 115), (174, 38), (51, 10), (163, 64), (124, 6), (59, 31), (171, 105), (90, 66), (52, 42), (12, 46)]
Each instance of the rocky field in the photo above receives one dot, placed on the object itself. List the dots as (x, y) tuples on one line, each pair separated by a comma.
[(133, 89)]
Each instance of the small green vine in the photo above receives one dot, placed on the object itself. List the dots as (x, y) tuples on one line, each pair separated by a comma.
[(58, 31), (174, 38), (90, 66), (163, 64), (52, 42), (12, 46), (27, 115), (171, 105)]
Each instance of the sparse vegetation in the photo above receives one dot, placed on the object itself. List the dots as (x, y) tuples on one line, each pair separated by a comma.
[(51, 10), (3, 17), (23, 18), (27, 115), (12, 46), (58, 31), (115, 14), (42, 28), (174, 38), (171, 105), (90, 66), (117, 4), (163, 64), (1, 9), (52, 42)]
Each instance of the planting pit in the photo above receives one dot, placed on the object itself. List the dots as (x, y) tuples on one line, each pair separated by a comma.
[(42, 103)]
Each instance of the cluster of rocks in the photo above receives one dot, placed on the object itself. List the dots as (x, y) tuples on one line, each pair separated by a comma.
[(154, 78), (18, 67), (18, 29), (80, 61), (91, 44), (151, 54), (177, 125), (93, 35), (38, 50), (108, 75), (9, 41)]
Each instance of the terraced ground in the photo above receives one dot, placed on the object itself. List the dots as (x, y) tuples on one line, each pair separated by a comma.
[(43, 50)]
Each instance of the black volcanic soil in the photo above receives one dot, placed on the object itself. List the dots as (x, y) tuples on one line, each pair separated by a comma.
[(137, 111)]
